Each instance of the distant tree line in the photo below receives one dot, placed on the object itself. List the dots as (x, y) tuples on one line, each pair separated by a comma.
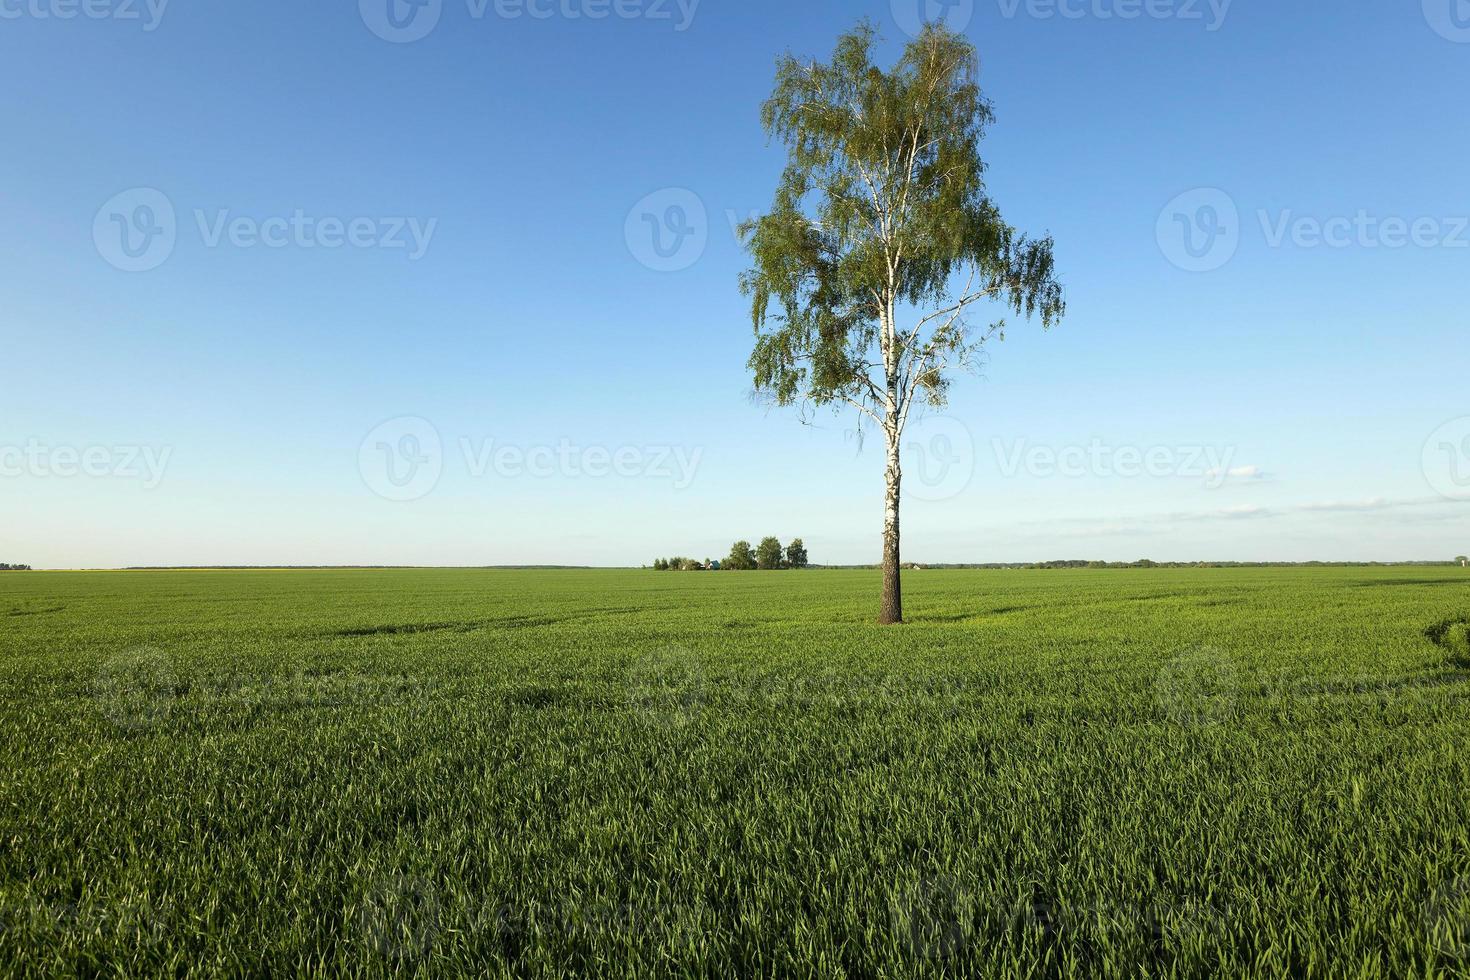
[(14, 568), (770, 555), (678, 564), (1148, 563), (1141, 563), (767, 556)]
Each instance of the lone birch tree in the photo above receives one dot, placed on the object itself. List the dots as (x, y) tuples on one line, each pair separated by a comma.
[(881, 241)]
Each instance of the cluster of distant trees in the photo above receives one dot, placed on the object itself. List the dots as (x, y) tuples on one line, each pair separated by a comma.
[(766, 556), (14, 568), (683, 565)]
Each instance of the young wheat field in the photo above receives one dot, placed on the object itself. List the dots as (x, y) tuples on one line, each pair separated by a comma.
[(1125, 773)]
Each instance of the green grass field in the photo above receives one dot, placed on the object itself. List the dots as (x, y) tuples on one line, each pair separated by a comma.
[(1086, 774)]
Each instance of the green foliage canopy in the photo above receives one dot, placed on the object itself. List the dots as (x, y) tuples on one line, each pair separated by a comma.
[(882, 206)]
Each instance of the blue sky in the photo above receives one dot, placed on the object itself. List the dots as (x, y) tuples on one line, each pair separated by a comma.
[(399, 301)]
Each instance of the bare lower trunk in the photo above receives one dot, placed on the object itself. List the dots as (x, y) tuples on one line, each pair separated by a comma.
[(892, 611)]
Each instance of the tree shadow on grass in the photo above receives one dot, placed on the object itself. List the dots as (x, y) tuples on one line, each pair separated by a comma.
[(1452, 636), (966, 617)]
